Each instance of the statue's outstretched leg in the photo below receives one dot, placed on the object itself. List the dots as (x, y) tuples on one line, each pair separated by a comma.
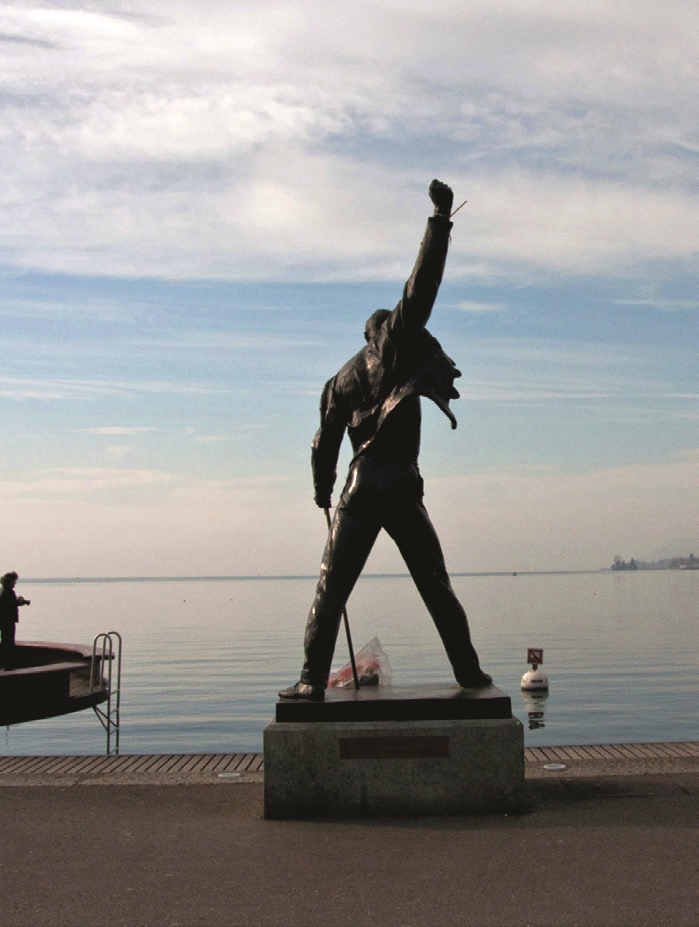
[(410, 527), (349, 544)]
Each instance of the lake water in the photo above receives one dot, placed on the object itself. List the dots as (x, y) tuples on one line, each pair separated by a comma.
[(203, 659)]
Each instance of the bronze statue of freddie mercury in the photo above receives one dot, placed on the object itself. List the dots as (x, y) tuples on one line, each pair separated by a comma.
[(375, 397)]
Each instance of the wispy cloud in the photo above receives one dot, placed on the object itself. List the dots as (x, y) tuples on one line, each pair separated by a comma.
[(50, 389), (117, 430), (257, 341), (212, 439), (241, 431), (467, 306), (83, 481), (668, 305)]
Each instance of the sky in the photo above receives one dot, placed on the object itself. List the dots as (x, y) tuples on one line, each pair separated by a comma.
[(201, 202)]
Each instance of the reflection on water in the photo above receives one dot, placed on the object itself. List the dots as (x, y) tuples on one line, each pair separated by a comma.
[(535, 707), (203, 659)]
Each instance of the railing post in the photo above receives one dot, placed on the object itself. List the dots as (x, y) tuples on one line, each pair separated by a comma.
[(103, 664)]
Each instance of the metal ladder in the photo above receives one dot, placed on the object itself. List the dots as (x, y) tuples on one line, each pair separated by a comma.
[(106, 667)]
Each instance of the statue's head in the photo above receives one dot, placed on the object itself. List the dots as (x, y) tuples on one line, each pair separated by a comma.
[(374, 323)]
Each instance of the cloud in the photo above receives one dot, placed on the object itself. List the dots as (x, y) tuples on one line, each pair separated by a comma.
[(613, 379), (212, 439), (84, 481), (241, 431), (668, 305), (575, 225), (117, 430), (50, 389), (267, 140), (466, 306), (228, 341), (303, 216)]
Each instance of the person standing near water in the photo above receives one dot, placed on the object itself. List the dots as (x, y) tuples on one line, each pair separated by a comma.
[(9, 616), (375, 397)]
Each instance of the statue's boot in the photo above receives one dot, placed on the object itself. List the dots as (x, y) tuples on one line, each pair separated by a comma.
[(477, 680), (304, 691)]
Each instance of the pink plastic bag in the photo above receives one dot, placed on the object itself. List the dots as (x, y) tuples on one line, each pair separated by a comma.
[(373, 668)]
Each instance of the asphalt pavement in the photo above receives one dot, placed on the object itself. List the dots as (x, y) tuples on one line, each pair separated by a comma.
[(588, 851)]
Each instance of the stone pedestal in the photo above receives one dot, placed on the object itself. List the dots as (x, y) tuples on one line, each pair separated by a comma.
[(422, 750)]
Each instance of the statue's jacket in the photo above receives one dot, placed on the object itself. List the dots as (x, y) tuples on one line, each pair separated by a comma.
[(402, 362)]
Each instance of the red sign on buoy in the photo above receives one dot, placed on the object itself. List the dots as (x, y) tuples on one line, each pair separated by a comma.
[(535, 655)]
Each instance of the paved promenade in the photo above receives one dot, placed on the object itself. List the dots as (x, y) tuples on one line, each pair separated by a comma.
[(605, 842)]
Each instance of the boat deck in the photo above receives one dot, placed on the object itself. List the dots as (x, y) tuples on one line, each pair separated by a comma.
[(209, 768), (50, 679)]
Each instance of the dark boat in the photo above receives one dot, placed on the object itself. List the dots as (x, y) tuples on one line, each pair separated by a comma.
[(51, 679)]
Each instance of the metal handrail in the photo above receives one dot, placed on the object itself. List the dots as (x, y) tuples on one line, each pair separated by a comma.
[(107, 661)]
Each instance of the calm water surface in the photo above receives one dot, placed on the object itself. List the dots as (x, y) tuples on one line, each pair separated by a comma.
[(203, 659)]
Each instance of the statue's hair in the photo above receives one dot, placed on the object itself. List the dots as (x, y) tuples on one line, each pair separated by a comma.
[(374, 323)]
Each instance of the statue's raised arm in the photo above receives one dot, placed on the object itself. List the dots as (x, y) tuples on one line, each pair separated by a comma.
[(420, 291)]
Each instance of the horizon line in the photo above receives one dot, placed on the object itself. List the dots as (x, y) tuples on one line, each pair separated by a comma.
[(272, 576)]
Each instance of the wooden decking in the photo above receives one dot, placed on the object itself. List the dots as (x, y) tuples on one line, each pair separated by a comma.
[(610, 752), (127, 765), (203, 768)]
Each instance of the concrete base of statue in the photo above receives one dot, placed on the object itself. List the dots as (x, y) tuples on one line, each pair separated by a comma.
[(423, 750)]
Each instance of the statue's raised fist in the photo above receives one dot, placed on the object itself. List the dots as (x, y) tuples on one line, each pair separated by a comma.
[(442, 197)]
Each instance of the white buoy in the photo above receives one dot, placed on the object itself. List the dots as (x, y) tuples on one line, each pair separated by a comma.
[(534, 679)]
